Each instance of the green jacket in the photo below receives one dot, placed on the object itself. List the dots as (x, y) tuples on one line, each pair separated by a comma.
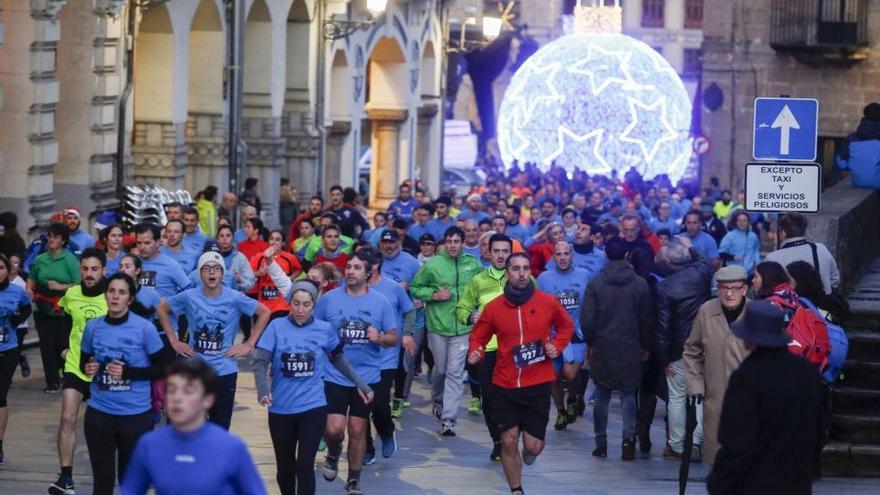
[(438, 272), (484, 287), (207, 217)]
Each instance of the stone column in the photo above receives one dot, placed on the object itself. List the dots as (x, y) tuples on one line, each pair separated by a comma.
[(265, 157), (386, 155), (301, 152), (44, 146), (428, 146), (206, 159), (335, 155)]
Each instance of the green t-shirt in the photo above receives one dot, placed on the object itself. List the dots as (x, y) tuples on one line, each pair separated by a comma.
[(63, 269), (81, 309)]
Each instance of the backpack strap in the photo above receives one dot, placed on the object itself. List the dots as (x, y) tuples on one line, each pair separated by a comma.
[(815, 258)]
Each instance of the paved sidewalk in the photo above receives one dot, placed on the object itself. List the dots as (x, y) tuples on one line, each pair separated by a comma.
[(425, 464)]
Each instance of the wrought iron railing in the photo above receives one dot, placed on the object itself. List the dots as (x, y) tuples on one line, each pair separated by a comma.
[(819, 24)]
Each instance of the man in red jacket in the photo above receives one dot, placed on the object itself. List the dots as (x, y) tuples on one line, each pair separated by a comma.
[(522, 320)]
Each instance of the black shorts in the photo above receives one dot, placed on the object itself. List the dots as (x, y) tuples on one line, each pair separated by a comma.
[(78, 384), (526, 408), (346, 401)]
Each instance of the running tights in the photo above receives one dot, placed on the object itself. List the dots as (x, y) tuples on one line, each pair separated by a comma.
[(111, 439), (296, 438)]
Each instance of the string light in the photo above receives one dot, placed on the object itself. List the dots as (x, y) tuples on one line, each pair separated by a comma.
[(597, 102)]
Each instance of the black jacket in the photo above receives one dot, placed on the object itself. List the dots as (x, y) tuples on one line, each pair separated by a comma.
[(679, 297), (771, 427), (616, 321), (716, 229)]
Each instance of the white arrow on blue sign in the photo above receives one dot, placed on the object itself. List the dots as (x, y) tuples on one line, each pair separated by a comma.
[(786, 129)]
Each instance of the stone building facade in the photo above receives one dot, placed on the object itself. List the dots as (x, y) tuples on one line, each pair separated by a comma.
[(64, 75), (758, 48)]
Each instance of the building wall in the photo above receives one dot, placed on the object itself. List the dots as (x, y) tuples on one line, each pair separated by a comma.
[(738, 58)]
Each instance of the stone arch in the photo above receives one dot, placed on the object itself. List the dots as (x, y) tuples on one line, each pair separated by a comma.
[(387, 98), (340, 91), (153, 66), (301, 53), (429, 85), (206, 109)]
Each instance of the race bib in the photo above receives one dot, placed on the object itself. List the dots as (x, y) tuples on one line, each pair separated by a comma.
[(269, 292), (528, 354), (353, 332), (147, 279), (297, 364), (208, 343), (569, 299), (107, 383)]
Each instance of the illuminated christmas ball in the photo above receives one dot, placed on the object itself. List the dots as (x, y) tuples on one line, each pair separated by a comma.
[(597, 102)]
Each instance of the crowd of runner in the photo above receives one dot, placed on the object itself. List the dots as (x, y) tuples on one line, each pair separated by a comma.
[(521, 292)]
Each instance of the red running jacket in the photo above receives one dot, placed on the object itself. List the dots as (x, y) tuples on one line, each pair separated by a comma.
[(518, 326)]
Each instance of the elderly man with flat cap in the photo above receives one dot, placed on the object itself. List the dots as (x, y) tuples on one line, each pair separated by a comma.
[(711, 352), (771, 421)]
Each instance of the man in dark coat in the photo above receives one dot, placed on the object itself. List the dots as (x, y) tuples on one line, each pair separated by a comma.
[(679, 297), (616, 319), (771, 421)]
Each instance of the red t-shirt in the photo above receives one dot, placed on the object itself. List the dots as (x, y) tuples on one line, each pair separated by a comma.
[(339, 261), (265, 289)]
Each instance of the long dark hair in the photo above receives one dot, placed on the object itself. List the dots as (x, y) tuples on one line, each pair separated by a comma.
[(5, 261), (772, 274)]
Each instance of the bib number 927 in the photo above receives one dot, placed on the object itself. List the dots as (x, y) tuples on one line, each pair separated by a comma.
[(528, 354)]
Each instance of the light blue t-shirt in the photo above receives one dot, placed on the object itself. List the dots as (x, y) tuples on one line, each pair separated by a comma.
[(163, 274), (112, 266), (401, 304), (11, 298), (704, 244), (195, 242), (82, 240), (131, 342), (350, 316), (299, 363), (213, 323), (401, 268), (186, 258), (437, 228), (569, 289)]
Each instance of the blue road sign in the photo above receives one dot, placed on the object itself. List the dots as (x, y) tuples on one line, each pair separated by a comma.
[(786, 129)]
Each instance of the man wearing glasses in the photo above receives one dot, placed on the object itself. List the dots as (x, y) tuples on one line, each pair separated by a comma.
[(712, 352)]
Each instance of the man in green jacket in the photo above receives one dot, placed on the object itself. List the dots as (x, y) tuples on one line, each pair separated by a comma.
[(208, 212), (483, 288), (440, 283)]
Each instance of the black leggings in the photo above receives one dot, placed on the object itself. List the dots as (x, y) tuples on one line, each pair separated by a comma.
[(381, 409), (8, 363), (221, 413), (296, 438), (484, 371), (54, 332), (108, 435)]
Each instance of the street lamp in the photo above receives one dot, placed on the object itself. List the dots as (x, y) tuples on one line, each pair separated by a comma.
[(340, 26)]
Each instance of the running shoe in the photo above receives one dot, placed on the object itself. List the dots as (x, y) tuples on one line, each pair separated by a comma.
[(446, 428), (322, 445), (369, 458), (52, 389), (517, 492), (353, 487), (64, 486), (397, 408), (406, 403), (561, 421), (601, 451), (572, 411), (582, 406), (495, 456), (389, 445), (25, 367), (628, 450), (476, 406), (527, 458), (330, 468), (437, 409)]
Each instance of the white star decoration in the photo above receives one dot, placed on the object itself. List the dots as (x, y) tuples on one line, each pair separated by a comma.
[(604, 62), (597, 102), (626, 136)]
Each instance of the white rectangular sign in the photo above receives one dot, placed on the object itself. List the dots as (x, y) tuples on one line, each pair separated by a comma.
[(783, 187)]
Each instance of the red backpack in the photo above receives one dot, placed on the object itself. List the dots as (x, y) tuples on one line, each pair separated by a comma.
[(809, 334)]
